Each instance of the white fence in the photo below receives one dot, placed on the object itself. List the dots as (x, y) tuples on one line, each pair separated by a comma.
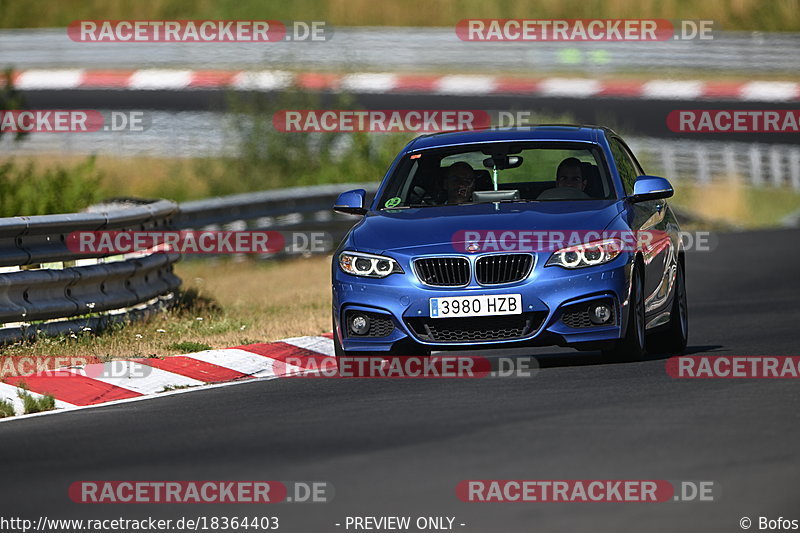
[(755, 164)]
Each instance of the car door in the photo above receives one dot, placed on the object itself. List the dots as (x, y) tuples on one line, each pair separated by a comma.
[(650, 219)]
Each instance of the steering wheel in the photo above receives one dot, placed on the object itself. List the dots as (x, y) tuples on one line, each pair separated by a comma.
[(418, 195)]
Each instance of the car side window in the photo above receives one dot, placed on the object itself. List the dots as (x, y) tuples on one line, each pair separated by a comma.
[(628, 170)]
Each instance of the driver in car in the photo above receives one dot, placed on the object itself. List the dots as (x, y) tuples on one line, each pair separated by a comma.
[(569, 174), (459, 183)]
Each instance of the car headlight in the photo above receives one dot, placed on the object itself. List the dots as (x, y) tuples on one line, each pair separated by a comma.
[(368, 265), (585, 255)]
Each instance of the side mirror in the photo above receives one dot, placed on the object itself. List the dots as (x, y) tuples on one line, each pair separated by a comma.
[(650, 188), (351, 202)]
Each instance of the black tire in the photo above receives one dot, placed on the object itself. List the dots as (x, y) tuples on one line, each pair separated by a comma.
[(632, 346), (673, 338)]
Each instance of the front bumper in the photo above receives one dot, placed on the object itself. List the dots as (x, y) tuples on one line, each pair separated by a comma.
[(547, 293)]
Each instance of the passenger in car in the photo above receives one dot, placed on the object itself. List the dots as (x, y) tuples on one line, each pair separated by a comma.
[(569, 174), (459, 183)]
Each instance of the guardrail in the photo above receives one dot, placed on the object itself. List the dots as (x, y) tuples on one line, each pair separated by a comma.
[(284, 210), (45, 288)]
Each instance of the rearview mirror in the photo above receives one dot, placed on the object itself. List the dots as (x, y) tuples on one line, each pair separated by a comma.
[(503, 162), (650, 188), (351, 202)]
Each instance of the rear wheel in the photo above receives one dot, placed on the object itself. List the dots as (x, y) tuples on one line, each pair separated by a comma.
[(632, 346), (674, 337)]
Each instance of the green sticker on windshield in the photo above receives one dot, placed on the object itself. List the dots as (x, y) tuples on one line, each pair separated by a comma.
[(393, 202)]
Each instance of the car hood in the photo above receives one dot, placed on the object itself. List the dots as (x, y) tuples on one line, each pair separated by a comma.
[(436, 227)]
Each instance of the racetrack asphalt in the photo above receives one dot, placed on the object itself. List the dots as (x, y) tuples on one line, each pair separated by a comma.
[(399, 447)]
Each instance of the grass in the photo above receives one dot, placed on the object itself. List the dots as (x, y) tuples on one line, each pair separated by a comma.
[(140, 176), (170, 388), (27, 189), (776, 15), (189, 346), (33, 404), (737, 205), (6, 409), (225, 303)]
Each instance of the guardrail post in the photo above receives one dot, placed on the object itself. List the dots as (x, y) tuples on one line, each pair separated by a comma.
[(703, 174), (729, 161), (756, 177), (668, 162), (794, 168), (775, 167)]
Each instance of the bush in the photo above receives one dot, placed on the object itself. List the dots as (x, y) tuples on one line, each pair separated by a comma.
[(25, 191), (10, 98), (267, 159)]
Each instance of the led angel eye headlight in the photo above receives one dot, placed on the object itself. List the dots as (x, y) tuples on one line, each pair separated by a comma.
[(571, 259), (368, 265), (584, 255)]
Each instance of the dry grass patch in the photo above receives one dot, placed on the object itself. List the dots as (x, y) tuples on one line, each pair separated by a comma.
[(143, 177), (733, 203)]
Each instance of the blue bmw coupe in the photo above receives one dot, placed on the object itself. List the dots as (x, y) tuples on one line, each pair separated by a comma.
[(548, 235)]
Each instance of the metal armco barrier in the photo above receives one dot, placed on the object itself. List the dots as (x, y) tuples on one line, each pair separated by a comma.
[(294, 209), (71, 291)]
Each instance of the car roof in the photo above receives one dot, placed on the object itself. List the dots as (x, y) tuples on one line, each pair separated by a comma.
[(549, 132)]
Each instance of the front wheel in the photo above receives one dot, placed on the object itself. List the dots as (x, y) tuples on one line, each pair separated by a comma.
[(632, 346), (673, 339)]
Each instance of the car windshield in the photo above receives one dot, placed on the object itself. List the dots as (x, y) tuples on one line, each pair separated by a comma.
[(498, 172)]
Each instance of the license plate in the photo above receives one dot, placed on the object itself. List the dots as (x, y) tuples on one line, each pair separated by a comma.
[(483, 305)]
